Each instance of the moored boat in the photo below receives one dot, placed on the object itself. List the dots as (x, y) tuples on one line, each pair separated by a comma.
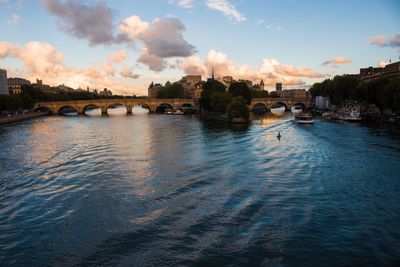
[(353, 115), (304, 118), (329, 116), (178, 112), (168, 111)]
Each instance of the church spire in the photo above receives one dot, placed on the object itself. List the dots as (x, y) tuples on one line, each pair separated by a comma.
[(212, 73)]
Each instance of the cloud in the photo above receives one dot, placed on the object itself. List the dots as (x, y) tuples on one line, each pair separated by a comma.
[(382, 63), (154, 63), (228, 9), (193, 66), (128, 73), (270, 70), (164, 39), (118, 57), (223, 6), (93, 21), (134, 27), (334, 62), (53, 70), (183, 3), (109, 69), (259, 22), (14, 20), (161, 39), (386, 41)]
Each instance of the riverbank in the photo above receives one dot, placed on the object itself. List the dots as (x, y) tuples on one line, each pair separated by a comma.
[(16, 118)]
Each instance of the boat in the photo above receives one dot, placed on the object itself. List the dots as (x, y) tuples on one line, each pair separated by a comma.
[(329, 116), (304, 118), (352, 115), (168, 111), (297, 109), (278, 111), (178, 112)]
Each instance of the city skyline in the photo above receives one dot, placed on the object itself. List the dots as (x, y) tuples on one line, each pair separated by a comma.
[(125, 45)]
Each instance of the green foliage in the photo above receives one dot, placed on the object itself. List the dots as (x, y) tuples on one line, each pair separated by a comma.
[(259, 94), (274, 94), (381, 92), (213, 85), (238, 108), (219, 101), (240, 89), (210, 87), (174, 90)]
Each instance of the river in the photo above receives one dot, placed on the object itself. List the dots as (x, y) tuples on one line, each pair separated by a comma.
[(156, 190)]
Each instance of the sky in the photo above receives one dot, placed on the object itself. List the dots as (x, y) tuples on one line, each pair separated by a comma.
[(124, 45)]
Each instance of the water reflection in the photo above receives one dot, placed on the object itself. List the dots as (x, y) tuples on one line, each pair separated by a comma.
[(158, 189)]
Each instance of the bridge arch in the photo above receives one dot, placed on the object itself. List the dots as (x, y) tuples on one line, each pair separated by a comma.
[(140, 108), (301, 104), (163, 106), (92, 110), (260, 107), (279, 104), (68, 110), (112, 109)]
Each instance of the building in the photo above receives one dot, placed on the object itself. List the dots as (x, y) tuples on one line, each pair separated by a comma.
[(197, 90), (105, 92), (248, 82), (43, 87), (153, 89), (63, 89), (278, 87), (189, 83), (260, 86), (15, 85), (226, 81), (293, 93), (322, 102), (3, 82), (390, 71)]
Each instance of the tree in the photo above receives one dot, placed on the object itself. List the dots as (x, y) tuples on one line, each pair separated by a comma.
[(274, 94), (238, 108), (214, 85), (174, 90), (259, 94), (219, 101), (240, 89), (209, 87)]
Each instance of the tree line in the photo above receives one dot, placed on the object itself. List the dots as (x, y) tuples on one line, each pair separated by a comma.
[(382, 92)]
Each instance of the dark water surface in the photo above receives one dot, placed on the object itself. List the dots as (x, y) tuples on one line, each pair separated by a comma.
[(155, 190)]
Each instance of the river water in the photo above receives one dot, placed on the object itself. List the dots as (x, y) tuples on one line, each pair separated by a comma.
[(156, 190)]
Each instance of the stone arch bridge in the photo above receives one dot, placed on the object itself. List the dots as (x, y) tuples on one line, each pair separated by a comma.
[(104, 104), (288, 103), (152, 104)]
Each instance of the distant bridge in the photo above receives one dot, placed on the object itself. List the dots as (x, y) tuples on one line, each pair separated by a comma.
[(153, 104), (104, 104)]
